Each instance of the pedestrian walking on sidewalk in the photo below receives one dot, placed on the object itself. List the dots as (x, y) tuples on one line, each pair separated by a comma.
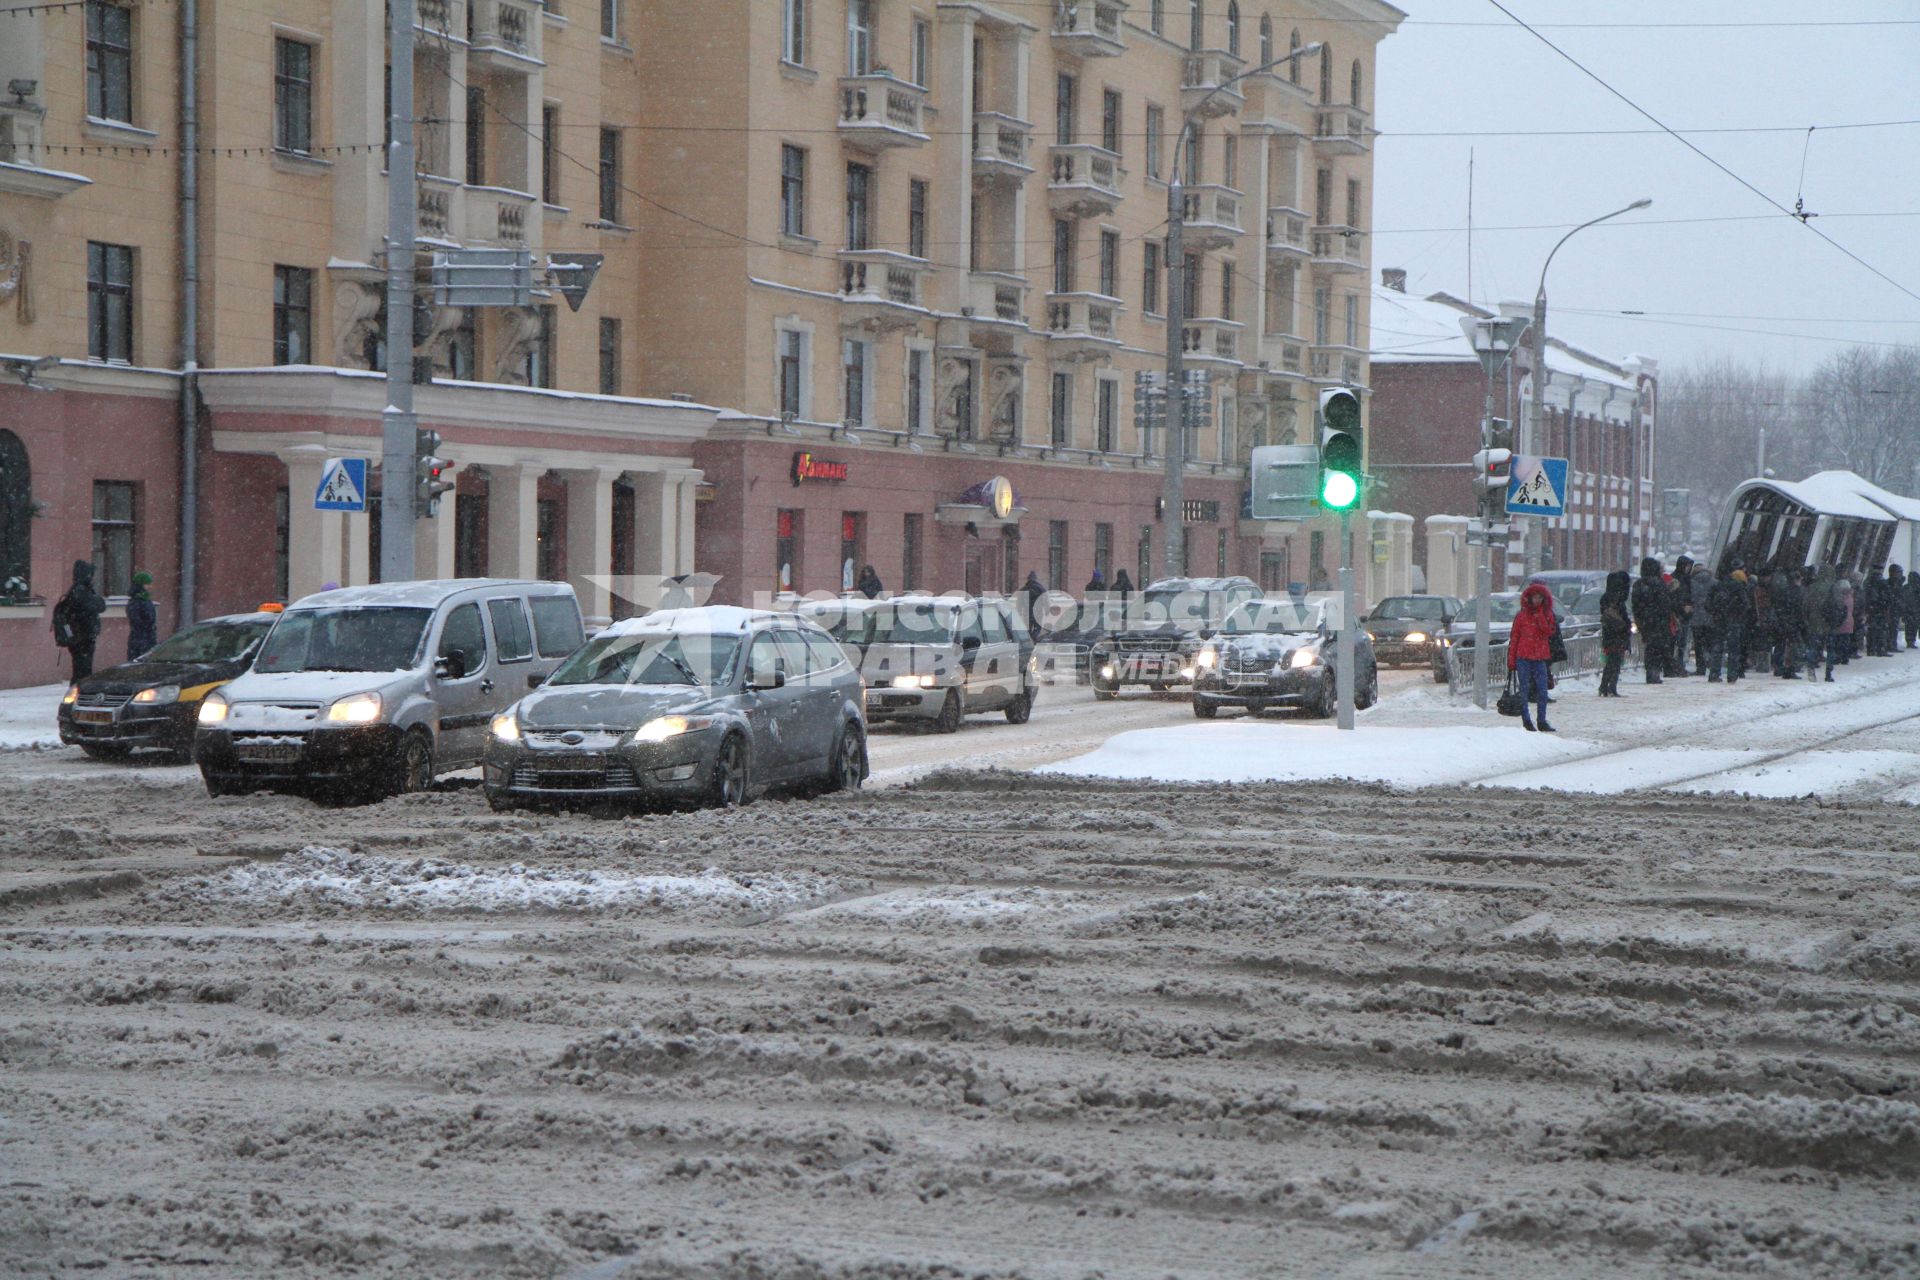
[(1529, 646), (1652, 605), (76, 619), (1700, 588), (1731, 601), (143, 620), (1875, 602), (1616, 631), (1787, 606), (1681, 588)]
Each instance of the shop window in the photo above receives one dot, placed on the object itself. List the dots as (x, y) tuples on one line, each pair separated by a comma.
[(910, 552), (786, 550), (16, 518), (469, 536), (113, 536), (853, 544)]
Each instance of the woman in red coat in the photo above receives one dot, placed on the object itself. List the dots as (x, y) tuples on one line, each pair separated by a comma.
[(1529, 646)]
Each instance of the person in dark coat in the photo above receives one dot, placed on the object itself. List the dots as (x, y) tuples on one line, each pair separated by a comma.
[(1096, 585), (1910, 609), (1036, 592), (1700, 587), (1896, 608), (1122, 584), (1824, 611), (76, 619), (1652, 605), (1529, 647), (1731, 603), (1616, 631), (1787, 609), (1682, 589), (1879, 614), (869, 584), (143, 620)]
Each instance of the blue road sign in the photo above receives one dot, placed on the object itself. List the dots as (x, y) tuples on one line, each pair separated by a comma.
[(1537, 487), (343, 485)]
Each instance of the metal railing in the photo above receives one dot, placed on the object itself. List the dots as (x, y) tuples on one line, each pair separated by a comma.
[(1584, 656)]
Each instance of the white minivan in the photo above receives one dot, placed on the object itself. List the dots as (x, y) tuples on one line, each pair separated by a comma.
[(376, 690)]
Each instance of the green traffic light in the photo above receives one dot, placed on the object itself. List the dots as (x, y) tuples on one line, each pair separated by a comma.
[(1338, 490)]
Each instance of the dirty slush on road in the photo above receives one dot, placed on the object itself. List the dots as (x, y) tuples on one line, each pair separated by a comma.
[(986, 1026)]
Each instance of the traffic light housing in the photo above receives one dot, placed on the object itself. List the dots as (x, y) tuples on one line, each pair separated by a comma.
[(431, 473), (1491, 469), (1341, 477)]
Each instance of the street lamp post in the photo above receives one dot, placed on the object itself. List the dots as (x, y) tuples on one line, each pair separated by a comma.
[(1173, 491), (1536, 430)]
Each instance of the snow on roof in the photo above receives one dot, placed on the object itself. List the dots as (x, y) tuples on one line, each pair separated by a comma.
[(706, 619), (1408, 329), (421, 595), (1901, 507), (1830, 493)]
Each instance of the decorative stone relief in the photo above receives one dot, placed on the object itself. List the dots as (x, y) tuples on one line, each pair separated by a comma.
[(356, 322), (519, 334)]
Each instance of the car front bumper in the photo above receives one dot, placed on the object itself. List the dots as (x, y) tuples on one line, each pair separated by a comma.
[(678, 768), (1291, 686), (130, 725), (885, 704), (1114, 668), (312, 757)]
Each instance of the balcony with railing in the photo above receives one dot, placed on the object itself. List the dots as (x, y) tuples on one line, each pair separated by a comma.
[(1088, 28), (1287, 234), (879, 110), (1002, 147), (1083, 180), (1212, 216), (442, 208), (881, 283), (1211, 340), (1341, 131), (503, 35), (997, 295), (1204, 72), (1082, 326), (496, 215), (1336, 362), (1284, 354), (1339, 250), (438, 16)]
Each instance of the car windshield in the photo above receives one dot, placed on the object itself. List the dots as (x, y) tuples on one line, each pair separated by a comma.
[(209, 642), (1504, 608), (1567, 594), (1180, 605), (1421, 608), (1271, 617), (1588, 605), (347, 639), (650, 657), (911, 624)]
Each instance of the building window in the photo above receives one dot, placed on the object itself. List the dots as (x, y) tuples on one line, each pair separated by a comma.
[(539, 369), (1057, 554), (476, 136), (610, 20), (1156, 130), (1196, 27), (292, 315), (550, 153), (1293, 46), (1353, 202), (1190, 287), (293, 95), (1233, 27), (1110, 263), (1326, 74), (1188, 166), (1353, 319), (1103, 553), (1150, 281), (1354, 84), (964, 398), (1226, 289), (609, 175), (109, 301), (918, 363), (1157, 17), (853, 541), (549, 542), (1062, 411), (16, 514), (1065, 90), (609, 356), (469, 536), (786, 550), (1266, 38), (859, 37), (1222, 566), (853, 377), (792, 358), (859, 206), (922, 67), (1063, 229), (109, 61), (1323, 196), (793, 190), (1322, 314), (1230, 160), (793, 31), (910, 552), (1110, 121), (113, 538), (1107, 413), (917, 217)]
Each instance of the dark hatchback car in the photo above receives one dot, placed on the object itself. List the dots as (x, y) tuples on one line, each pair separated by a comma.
[(1408, 629), (688, 706), (153, 702)]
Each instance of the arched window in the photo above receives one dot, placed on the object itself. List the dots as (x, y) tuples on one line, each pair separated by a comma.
[(1354, 89), (1196, 30), (1233, 27), (16, 518), (1293, 46), (1266, 38), (1326, 73), (1159, 17)]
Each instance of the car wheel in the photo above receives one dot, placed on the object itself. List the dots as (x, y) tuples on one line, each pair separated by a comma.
[(1020, 710), (727, 784), (1439, 674), (849, 768), (1328, 700), (501, 802), (948, 721), (105, 751), (1205, 708), (1368, 693), (1104, 695), (412, 766)]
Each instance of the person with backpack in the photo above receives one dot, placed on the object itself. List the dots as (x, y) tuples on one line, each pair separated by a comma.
[(143, 620), (76, 619)]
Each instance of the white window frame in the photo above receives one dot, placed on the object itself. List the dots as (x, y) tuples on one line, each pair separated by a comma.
[(920, 354), (920, 55), (612, 28), (794, 30), (860, 37), (803, 330)]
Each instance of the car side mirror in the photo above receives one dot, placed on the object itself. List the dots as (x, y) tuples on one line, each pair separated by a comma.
[(535, 680), (759, 681), (451, 666)]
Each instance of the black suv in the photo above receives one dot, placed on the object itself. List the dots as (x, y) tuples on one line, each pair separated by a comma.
[(1155, 640)]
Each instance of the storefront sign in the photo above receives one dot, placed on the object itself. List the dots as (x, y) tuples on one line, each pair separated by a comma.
[(807, 467), (706, 491), (996, 495)]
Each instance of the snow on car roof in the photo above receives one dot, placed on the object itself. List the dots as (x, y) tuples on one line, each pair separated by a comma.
[(422, 595), (1199, 584), (705, 619)]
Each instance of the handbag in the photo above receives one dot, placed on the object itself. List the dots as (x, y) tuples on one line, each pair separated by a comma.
[(1510, 702), (1556, 647)]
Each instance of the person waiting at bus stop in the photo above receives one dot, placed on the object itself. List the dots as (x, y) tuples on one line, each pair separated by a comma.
[(1529, 649), (1652, 603)]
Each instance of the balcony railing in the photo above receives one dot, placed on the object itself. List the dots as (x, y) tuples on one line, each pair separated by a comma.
[(497, 215), (997, 295), (1284, 353), (1083, 180), (502, 27), (1001, 147), (1212, 216), (1211, 339), (879, 110), (435, 207), (1339, 248), (1340, 363), (1287, 232), (435, 15), (1204, 72), (1341, 131), (1088, 315), (1088, 28), (881, 275)]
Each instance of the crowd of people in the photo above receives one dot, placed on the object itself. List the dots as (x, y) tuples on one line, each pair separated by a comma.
[(1791, 620)]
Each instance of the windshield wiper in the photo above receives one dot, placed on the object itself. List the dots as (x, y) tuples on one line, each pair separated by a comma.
[(692, 676)]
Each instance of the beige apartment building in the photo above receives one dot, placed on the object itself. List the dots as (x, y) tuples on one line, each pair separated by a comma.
[(879, 275)]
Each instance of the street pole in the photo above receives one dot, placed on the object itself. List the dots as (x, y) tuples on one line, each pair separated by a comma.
[(1483, 574), (1343, 681), (1536, 428), (396, 420)]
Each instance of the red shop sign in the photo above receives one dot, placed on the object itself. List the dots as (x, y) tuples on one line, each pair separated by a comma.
[(807, 467)]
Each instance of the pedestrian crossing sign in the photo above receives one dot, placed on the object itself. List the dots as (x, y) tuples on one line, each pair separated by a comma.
[(1537, 487), (343, 485)]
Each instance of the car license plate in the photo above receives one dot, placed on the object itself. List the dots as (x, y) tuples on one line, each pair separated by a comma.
[(268, 752), (572, 762), (93, 717)]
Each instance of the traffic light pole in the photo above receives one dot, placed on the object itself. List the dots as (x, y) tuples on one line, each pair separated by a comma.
[(1173, 488), (397, 443), (1343, 675)]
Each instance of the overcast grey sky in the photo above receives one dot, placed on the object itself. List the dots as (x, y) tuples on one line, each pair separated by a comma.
[(1715, 269)]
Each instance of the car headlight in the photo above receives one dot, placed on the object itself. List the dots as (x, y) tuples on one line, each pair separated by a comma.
[(213, 709), (1372, 636), (1207, 659), (1416, 637), (912, 682), (505, 727), (661, 728), (1304, 658), (73, 695), (159, 693), (358, 708), (1106, 672)]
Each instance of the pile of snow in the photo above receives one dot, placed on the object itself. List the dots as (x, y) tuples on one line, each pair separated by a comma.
[(325, 879), (961, 906), (30, 717), (1342, 911), (1247, 751)]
